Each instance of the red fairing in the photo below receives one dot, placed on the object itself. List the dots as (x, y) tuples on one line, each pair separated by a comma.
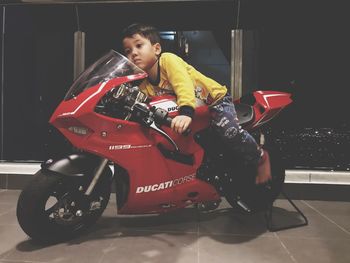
[(157, 184), (109, 118), (267, 105), (154, 180)]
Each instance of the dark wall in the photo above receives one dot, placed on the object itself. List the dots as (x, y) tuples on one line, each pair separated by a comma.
[(314, 61), (38, 47), (295, 46), (206, 55), (302, 46), (39, 59), (103, 23)]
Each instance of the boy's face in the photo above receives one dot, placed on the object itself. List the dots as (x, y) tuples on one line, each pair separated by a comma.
[(141, 51)]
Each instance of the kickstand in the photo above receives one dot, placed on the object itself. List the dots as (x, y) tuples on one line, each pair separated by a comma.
[(268, 216)]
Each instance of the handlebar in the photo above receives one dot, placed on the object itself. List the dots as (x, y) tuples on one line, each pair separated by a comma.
[(161, 117), (135, 106), (154, 117)]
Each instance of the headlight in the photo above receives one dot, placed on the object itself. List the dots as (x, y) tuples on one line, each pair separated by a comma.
[(79, 130)]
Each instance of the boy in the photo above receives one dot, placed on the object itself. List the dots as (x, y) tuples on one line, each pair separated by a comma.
[(168, 73)]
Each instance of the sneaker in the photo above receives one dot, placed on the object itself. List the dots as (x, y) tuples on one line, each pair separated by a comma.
[(264, 169)]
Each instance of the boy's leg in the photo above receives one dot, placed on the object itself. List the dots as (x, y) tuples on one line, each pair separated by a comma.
[(225, 122), (264, 169)]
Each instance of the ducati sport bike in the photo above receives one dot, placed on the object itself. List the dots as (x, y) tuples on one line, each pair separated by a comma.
[(122, 137)]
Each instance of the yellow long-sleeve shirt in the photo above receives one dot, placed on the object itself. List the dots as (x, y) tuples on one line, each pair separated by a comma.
[(179, 78)]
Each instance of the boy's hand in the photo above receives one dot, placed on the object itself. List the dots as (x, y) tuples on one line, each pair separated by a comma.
[(180, 123)]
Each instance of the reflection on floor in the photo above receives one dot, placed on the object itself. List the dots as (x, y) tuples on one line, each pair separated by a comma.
[(189, 235)]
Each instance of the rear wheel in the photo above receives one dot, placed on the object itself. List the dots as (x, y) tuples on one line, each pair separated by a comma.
[(248, 196), (53, 208)]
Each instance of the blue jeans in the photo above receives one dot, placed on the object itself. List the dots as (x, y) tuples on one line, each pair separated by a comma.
[(225, 122)]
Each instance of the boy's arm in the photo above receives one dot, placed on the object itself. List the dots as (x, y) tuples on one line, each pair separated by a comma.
[(183, 87), (181, 82)]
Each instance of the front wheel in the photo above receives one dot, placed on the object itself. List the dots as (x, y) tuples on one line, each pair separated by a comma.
[(53, 208)]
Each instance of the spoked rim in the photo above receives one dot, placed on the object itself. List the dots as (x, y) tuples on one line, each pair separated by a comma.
[(65, 206)]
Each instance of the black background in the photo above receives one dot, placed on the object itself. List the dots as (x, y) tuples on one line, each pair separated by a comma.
[(298, 46)]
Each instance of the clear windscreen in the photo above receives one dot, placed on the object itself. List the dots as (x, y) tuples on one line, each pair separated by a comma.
[(109, 66)]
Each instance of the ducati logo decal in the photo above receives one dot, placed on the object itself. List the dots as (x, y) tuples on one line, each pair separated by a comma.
[(171, 109), (165, 185), (168, 105)]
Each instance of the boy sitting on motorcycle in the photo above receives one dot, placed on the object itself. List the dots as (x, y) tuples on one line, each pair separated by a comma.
[(168, 73)]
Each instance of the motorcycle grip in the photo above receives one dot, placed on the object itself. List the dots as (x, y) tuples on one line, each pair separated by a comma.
[(168, 123), (161, 117)]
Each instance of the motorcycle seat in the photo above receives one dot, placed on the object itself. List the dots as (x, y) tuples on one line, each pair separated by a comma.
[(245, 113)]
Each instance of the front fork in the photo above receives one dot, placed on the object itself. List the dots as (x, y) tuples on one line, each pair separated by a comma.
[(97, 176)]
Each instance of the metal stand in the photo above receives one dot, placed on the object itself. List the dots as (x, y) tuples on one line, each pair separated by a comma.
[(268, 216)]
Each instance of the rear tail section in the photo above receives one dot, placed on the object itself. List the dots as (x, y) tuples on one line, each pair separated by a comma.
[(259, 107)]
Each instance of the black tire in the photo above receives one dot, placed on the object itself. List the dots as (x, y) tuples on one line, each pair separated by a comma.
[(259, 197), (43, 224)]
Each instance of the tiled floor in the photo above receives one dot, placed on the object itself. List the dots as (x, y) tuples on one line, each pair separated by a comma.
[(190, 236)]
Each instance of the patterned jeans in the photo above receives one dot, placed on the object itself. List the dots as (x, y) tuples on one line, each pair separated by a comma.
[(225, 122)]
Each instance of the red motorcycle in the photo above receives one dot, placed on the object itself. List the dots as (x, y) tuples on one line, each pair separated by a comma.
[(112, 124)]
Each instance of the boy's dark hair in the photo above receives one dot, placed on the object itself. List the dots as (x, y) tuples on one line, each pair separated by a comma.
[(147, 31)]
